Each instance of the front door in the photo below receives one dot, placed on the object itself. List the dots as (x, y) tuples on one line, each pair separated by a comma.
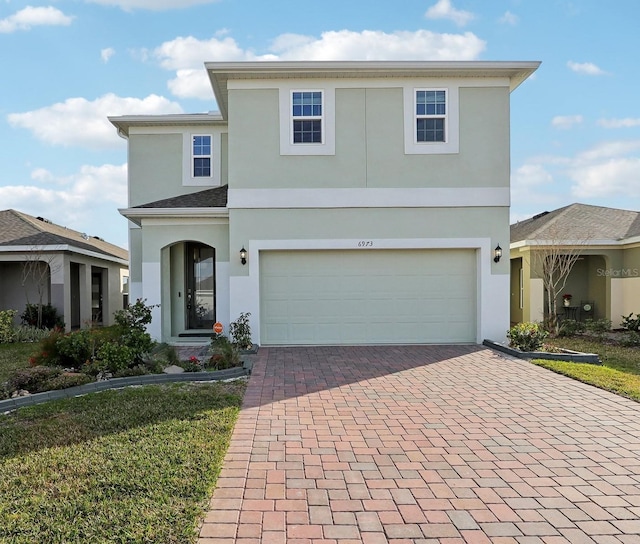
[(200, 288), (96, 297)]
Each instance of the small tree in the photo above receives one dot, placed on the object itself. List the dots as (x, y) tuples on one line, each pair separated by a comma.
[(38, 267), (553, 258)]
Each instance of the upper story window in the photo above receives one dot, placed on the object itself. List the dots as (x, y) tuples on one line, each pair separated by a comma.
[(306, 112), (307, 118), (431, 118), (431, 115), (201, 156)]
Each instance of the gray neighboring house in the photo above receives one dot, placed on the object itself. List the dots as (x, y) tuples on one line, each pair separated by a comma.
[(605, 281), (339, 202), (83, 277)]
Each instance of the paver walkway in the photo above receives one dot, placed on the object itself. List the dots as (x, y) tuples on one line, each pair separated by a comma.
[(425, 444)]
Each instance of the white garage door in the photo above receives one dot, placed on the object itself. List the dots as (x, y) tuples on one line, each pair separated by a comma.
[(368, 297)]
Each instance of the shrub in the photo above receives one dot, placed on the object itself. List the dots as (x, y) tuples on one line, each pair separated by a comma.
[(49, 316), (631, 323), (27, 333), (598, 327), (571, 327), (240, 331), (631, 339), (65, 380), (7, 328), (527, 336), (33, 379), (131, 329), (225, 354), (48, 350), (114, 357)]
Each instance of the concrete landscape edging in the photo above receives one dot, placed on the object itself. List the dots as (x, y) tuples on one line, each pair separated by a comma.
[(570, 356), (118, 383)]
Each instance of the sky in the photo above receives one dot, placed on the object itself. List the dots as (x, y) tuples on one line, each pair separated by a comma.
[(66, 65)]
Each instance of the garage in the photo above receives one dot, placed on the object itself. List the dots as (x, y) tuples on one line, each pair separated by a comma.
[(368, 297)]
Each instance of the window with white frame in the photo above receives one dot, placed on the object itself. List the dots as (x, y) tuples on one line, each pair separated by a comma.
[(431, 115), (201, 155), (307, 117)]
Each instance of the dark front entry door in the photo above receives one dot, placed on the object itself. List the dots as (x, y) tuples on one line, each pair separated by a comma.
[(96, 297), (201, 285)]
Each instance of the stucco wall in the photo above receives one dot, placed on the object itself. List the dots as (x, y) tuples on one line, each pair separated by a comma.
[(369, 143)]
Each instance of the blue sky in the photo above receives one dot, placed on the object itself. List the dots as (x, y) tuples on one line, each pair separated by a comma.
[(68, 64)]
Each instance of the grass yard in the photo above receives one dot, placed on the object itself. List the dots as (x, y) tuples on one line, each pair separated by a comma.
[(13, 357), (619, 373), (136, 465)]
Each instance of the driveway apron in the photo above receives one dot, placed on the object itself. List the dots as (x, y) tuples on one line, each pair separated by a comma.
[(438, 444)]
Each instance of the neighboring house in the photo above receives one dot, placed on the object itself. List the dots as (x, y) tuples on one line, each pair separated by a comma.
[(83, 277), (605, 281), (368, 196)]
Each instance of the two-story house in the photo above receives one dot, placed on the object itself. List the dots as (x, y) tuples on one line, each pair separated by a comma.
[(337, 202)]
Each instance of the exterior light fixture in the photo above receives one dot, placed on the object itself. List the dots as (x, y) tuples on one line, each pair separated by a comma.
[(243, 255), (497, 253)]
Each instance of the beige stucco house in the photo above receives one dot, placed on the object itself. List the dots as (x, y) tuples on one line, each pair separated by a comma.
[(605, 281), (337, 202), (83, 277)]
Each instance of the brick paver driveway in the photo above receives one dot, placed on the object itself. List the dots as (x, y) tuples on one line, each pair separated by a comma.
[(425, 444)]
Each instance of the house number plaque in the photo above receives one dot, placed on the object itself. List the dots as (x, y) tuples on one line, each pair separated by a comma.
[(365, 243)]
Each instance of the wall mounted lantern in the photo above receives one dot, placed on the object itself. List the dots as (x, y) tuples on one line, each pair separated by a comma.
[(497, 253), (243, 255)]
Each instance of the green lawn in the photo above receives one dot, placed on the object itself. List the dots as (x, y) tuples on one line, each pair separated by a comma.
[(13, 357), (619, 372), (136, 465)]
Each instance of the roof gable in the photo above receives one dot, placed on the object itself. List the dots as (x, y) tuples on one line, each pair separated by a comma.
[(21, 229)]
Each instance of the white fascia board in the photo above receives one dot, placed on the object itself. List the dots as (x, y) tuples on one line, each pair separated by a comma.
[(136, 215), (587, 243), (62, 248), (369, 198), (124, 123)]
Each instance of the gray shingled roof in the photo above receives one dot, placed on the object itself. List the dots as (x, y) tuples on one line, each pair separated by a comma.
[(577, 221), (21, 229), (209, 198)]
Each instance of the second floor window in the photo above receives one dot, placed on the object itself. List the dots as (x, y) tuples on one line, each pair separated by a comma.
[(306, 110), (431, 115), (201, 156)]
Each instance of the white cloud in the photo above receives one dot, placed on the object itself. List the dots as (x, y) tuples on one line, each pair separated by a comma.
[(443, 9), (587, 68), (377, 45), (154, 5), (107, 53), (627, 122), (84, 123), (86, 201), (616, 176), (531, 185), (27, 18), (566, 121), (509, 19), (186, 55)]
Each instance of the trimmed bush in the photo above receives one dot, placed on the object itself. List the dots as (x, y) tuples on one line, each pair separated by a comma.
[(527, 336), (631, 323), (49, 316), (571, 327), (7, 328), (33, 379)]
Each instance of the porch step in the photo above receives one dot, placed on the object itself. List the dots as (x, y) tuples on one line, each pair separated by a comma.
[(194, 335)]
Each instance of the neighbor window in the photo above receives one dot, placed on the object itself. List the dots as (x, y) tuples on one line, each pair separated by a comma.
[(431, 115), (307, 117), (201, 156)]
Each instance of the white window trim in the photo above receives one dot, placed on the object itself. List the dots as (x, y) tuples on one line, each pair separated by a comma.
[(452, 126), (209, 156), (521, 288), (328, 145), (188, 179)]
